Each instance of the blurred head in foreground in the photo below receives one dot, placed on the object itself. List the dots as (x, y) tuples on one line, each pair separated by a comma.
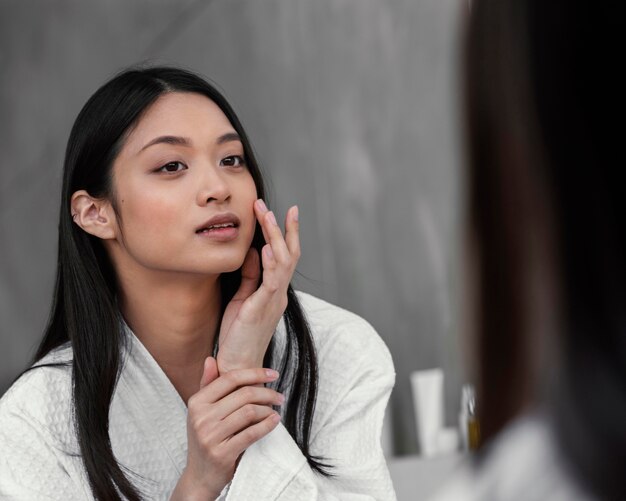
[(547, 232)]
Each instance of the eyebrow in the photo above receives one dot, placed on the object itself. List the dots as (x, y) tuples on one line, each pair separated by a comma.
[(228, 137), (186, 142)]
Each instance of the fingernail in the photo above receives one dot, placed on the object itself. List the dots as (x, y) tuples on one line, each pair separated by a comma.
[(271, 373), (295, 213), (261, 205), (276, 418), (272, 218), (281, 398)]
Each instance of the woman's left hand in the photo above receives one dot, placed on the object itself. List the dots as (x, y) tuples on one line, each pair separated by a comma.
[(251, 317)]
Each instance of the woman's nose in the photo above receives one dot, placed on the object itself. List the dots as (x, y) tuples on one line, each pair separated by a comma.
[(214, 188)]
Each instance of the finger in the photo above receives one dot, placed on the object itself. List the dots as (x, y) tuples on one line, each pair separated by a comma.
[(268, 258), (260, 209), (269, 226), (260, 206), (250, 274), (276, 239), (209, 374), (292, 232), (248, 395), (229, 382), (241, 419), (271, 279), (245, 438)]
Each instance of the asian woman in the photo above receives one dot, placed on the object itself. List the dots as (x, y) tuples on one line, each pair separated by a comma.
[(178, 362)]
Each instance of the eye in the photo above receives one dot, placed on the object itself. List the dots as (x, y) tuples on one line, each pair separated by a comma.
[(172, 167), (233, 161)]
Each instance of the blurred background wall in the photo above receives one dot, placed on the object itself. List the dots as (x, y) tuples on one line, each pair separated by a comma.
[(352, 106)]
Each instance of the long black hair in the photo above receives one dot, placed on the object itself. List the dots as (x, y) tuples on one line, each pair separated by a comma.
[(84, 310), (544, 97)]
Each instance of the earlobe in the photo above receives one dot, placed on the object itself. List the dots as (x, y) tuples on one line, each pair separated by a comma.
[(93, 215)]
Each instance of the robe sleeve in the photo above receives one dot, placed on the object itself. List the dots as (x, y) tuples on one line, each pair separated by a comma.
[(355, 384), (31, 467)]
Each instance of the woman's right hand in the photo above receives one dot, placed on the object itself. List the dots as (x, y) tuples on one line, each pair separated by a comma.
[(227, 415)]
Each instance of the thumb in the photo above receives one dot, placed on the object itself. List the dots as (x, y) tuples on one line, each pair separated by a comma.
[(250, 274), (209, 374)]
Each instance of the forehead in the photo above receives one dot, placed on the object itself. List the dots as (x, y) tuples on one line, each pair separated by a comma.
[(179, 114)]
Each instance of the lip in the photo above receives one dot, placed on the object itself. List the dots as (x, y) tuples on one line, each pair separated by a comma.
[(220, 234)]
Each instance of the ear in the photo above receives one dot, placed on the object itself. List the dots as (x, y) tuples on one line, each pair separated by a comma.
[(94, 215)]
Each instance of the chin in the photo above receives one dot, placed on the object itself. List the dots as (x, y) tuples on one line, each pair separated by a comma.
[(228, 264), (229, 269)]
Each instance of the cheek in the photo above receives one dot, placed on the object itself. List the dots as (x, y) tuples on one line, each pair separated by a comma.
[(150, 224), (247, 188), (248, 196), (150, 213)]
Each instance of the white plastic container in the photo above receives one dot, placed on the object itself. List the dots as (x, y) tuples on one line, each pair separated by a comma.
[(427, 387)]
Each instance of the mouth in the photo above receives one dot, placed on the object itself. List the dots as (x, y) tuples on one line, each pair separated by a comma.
[(221, 227), (217, 227)]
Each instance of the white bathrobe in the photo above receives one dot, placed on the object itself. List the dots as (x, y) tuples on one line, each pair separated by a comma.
[(148, 421)]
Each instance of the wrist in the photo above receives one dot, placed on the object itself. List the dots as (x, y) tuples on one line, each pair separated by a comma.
[(189, 490), (225, 365)]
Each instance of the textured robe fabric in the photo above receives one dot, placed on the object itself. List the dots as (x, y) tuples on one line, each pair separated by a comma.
[(39, 455), (522, 463)]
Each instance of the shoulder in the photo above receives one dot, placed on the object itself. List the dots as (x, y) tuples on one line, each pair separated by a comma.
[(42, 458), (524, 454), (39, 400), (344, 340), (530, 442)]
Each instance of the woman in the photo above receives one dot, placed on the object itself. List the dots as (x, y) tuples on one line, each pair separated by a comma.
[(548, 248), (172, 295)]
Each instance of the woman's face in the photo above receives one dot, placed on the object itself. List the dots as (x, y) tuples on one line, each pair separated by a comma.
[(184, 194)]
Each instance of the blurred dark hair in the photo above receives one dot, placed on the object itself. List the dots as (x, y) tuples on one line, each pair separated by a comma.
[(84, 310), (544, 96)]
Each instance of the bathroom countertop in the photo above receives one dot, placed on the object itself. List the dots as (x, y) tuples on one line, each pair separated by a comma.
[(416, 477)]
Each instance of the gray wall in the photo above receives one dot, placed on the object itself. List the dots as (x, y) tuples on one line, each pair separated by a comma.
[(352, 106)]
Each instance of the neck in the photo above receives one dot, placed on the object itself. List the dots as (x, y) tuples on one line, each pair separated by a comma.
[(176, 319)]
